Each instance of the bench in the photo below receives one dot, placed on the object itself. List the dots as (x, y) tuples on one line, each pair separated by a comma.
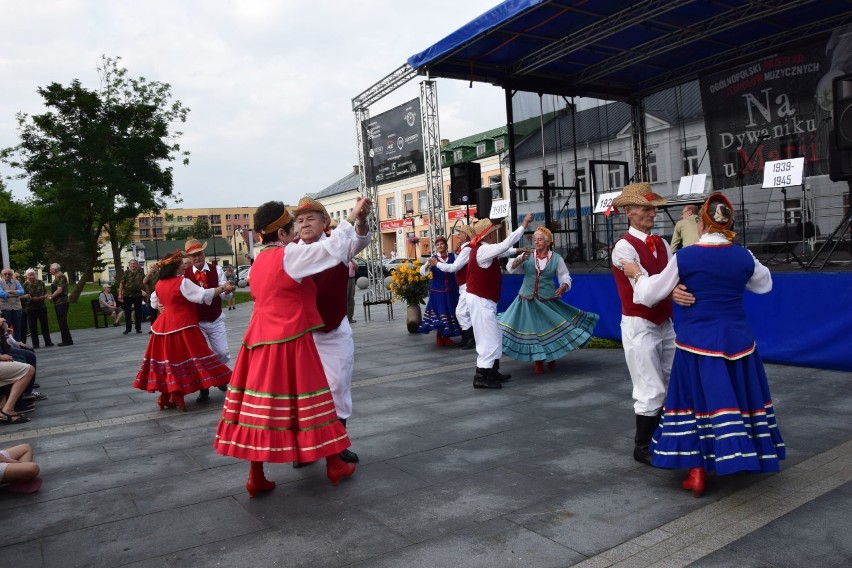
[(371, 299), (96, 311)]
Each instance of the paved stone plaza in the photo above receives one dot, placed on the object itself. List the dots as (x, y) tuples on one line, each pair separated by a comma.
[(538, 474)]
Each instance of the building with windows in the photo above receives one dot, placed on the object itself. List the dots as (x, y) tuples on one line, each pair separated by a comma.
[(226, 223)]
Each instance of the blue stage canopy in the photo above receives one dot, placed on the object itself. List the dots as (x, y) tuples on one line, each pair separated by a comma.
[(621, 50)]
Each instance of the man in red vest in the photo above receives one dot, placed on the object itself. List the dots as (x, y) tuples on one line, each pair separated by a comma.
[(646, 333), (211, 320), (465, 235), (484, 284), (334, 340)]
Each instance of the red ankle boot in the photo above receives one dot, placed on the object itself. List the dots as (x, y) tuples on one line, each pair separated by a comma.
[(257, 481), (164, 401), (694, 481), (336, 469), (447, 342), (538, 368), (177, 400)]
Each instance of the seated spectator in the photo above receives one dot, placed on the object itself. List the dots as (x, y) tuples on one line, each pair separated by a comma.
[(23, 353), (14, 379), (108, 305), (18, 469), (10, 300)]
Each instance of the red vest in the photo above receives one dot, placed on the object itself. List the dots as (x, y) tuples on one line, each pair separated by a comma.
[(484, 282), (653, 265), (461, 275), (284, 310), (332, 299), (180, 313), (214, 310)]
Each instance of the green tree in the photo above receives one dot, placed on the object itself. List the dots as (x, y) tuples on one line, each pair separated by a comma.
[(24, 252), (200, 229), (97, 158)]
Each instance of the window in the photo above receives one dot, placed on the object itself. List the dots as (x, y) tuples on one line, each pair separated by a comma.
[(408, 200), (180, 218), (499, 144), (391, 207), (422, 202), (614, 175), (245, 216), (480, 149), (144, 233), (522, 190), (229, 228), (496, 184), (215, 219), (227, 216), (653, 174), (581, 180), (690, 161), (216, 230), (458, 155), (158, 232), (189, 217)]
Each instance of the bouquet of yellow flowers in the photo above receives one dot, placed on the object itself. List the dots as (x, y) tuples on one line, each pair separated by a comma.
[(408, 285)]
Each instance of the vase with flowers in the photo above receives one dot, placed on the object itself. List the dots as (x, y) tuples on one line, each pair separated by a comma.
[(411, 287)]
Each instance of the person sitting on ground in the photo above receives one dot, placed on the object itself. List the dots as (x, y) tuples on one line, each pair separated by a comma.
[(18, 469), (108, 305)]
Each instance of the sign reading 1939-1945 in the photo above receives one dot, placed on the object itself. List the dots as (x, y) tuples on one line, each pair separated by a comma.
[(394, 144)]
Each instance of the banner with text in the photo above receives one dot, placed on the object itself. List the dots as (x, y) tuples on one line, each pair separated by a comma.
[(778, 107), (394, 144)]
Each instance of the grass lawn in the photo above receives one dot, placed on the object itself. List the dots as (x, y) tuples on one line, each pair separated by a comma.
[(80, 314)]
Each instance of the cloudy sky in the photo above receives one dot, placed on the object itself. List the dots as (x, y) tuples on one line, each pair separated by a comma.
[(269, 82)]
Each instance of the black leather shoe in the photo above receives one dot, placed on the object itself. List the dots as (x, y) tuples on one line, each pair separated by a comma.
[(48, 344), (223, 388), (138, 331), (483, 380), (64, 344), (203, 395), (297, 465), (348, 456), (126, 331), (497, 375), (642, 455)]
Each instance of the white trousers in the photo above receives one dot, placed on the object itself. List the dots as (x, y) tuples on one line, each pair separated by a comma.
[(462, 308), (489, 339), (216, 336), (649, 350), (337, 352)]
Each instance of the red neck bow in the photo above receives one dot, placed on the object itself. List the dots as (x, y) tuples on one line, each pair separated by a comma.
[(653, 241), (201, 278)]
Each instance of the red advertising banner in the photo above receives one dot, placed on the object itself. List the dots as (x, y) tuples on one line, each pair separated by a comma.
[(778, 107), (461, 214), (396, 224)]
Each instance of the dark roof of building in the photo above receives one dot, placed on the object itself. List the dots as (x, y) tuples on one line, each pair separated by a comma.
[(156, 250), (350, 182)]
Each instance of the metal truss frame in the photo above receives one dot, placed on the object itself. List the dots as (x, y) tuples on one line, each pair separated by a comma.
[(432, 163), (432, 158)]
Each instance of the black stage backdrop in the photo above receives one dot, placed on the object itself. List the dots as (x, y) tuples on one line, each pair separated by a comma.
[(784, 97), (394, 144)]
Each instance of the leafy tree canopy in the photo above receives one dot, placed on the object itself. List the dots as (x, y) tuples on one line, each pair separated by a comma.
[(97, 158)]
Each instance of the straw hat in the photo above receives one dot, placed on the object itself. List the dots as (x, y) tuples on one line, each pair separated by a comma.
[(638, 194), (193, 246), (483, 227), (307, 204), (467, 230)]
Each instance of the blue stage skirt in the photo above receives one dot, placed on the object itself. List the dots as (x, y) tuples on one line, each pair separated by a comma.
[(718, 415), (440, 314), (544, 331)]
